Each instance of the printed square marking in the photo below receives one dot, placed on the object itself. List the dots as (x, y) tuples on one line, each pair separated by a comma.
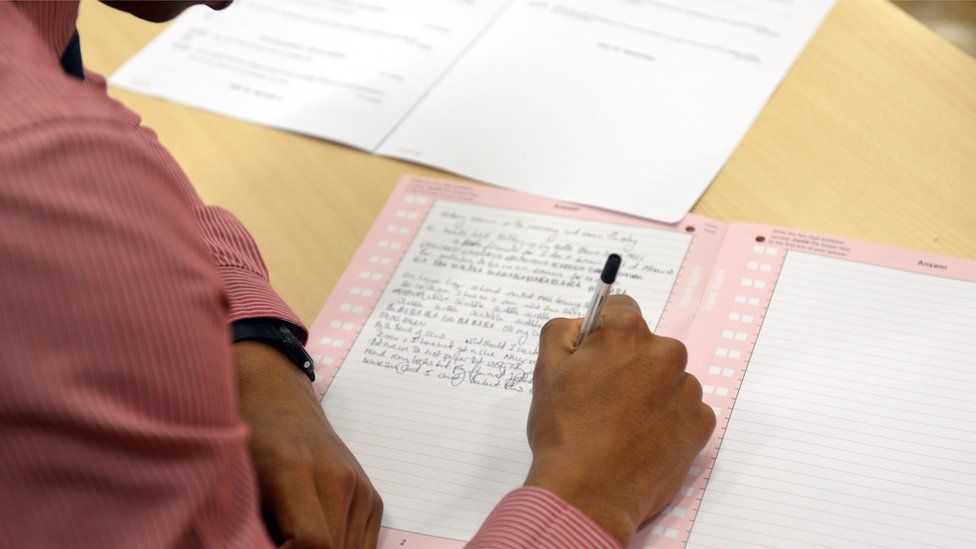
[(717, 410), (409, 199), (335, 324), (766, 267), (685, 490), (421, 200), (364, 275), (760, 284), (401, 213), (347, 326), (740, 299), (367, 293), (374, 259), (721, 391), (355, 290), (741, 336), (671, 533), (733, 316), (753, 301), (394, 245), (326, 341), (316, 358), (328, 360), (747, 319), (404, 230), (727, 334), (338, 343), (708, 389), (376, 277), (735, 355), (357, 309), (384, 244), (413, 215), (345, 307), (752, 266), (392, 228), (728, 372), (386, 261), (657, 530), (714, 370), (771, 251), (721, 351), (694, 470), (747, 282), (758, 249)]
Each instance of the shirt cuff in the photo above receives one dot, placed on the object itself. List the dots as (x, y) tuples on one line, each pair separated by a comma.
[(251, 296), (533, 517)]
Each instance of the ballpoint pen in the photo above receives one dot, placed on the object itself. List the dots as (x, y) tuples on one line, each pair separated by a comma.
[(600, 295)]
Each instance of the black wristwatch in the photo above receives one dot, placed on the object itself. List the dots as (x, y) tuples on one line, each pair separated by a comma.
[(277, 334)]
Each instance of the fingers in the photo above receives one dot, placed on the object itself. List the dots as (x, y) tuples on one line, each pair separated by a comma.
[(361, 512), (557, 340), (704, 419), (621, 301), (336, 491), (295, 502), (352, 508), (372, 533), (622, 313)]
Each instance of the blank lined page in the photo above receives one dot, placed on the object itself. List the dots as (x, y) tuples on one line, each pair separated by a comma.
[(854, 424), (433, 395)]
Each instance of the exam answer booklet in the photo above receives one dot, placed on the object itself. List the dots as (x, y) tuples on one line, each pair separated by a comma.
[(629, 105), (840, 371)]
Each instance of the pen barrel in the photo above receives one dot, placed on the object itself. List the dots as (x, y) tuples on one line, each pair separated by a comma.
[(595, 309)]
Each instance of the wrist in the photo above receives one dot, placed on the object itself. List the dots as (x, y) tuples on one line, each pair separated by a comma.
[(605, 504), (263, 371), (278, 334)]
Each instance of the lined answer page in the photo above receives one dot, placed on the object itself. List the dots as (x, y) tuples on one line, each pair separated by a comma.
[(853, 425), (433, 395)]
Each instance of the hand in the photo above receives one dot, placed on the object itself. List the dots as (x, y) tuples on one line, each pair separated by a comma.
[(310, 483), (614, 424)]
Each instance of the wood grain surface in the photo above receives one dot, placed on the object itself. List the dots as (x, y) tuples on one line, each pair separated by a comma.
[(872, 135)]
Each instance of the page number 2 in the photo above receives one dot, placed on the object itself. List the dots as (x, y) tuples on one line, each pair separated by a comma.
[(403, 541)]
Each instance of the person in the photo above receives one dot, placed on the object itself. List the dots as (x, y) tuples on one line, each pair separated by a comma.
[(130, 419)]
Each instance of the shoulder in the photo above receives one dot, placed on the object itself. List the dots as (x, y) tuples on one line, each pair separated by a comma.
[(35, 91)]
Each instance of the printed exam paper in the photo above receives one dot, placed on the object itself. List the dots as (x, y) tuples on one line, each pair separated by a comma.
[(632, 106)]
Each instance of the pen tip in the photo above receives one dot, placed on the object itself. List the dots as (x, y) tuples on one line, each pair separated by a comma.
[(609, 274)]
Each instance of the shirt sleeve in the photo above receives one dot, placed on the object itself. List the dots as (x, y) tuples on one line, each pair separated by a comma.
[(118, 406), (242, 270), (532, 517)]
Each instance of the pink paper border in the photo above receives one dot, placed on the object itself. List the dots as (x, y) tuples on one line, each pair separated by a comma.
[(360, 286)]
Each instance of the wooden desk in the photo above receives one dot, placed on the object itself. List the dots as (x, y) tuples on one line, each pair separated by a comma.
[(872, 135)]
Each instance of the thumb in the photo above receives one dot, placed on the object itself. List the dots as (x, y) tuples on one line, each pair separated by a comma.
[(557, 341)]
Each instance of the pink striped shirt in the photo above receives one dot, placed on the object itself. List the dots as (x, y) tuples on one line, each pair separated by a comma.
[(118, 411)]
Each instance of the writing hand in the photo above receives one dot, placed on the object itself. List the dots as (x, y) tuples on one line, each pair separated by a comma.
[(310, 483), (614, 424)]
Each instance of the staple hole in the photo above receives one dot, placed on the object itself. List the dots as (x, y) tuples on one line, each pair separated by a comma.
[(760, 238), (690, 229)]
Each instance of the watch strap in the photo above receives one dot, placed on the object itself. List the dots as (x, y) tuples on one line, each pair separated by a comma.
[(278, 334)]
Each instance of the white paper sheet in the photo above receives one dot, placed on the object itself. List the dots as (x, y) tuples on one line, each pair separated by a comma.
[(632, 106), (853, 425), (346, 71), (629, 105)]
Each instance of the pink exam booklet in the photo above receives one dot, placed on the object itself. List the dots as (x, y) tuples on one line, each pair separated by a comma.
[(841, 371)]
